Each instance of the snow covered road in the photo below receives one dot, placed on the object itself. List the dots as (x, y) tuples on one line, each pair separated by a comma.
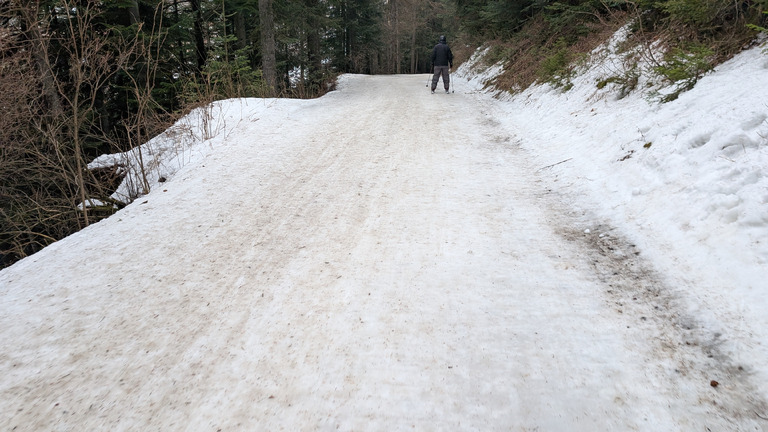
[(377, 259)]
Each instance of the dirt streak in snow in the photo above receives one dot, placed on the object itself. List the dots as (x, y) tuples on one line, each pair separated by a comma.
[(378, 259)]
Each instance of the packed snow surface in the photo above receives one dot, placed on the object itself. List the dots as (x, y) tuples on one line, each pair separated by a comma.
[(383, 258)]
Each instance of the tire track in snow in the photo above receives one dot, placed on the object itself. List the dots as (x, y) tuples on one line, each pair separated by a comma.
[(706, 380), (686, 351)]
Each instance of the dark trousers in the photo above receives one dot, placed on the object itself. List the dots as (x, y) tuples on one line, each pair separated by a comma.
[(445, 72)]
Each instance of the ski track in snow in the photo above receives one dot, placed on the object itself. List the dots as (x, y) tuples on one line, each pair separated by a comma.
[(377, 259)]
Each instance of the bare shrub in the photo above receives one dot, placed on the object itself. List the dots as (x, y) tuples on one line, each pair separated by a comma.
[(49, 119)]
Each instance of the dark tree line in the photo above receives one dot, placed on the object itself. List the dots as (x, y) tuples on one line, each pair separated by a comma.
[(696, 18)]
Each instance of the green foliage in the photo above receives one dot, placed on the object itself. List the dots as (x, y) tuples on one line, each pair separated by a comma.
[(573, 18), (710, 18), (496, 18), (495, 54), (502, 17), (557, 68), (693, 12), (230, 75), (625, 82), (758, 28), (684, 67)]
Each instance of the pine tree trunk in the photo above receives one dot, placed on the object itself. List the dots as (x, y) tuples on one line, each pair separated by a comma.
[(40, 54), (239, 25), (133, 12), (267, 25), (414, 54), (313, 43), (397, 37), (179, 41), (202, 56)]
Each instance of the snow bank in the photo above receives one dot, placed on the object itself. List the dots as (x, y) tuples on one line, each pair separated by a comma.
[(188, 140), (687, 177)]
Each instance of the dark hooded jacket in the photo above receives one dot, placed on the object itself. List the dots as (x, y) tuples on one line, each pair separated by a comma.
[(441, 54)]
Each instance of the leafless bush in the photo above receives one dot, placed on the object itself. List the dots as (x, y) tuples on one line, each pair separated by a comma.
[(47, 119)]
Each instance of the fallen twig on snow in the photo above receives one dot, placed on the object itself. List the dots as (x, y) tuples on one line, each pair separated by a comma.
[(554, 164)]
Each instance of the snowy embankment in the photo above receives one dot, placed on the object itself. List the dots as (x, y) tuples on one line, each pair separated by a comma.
[(188, 141), (694, 168), (687, 179)]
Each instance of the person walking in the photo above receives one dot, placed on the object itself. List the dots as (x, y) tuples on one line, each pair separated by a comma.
[(442, 62)]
